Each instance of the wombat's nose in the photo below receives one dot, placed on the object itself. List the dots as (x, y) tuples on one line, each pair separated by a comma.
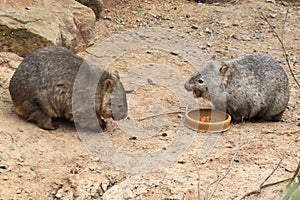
[(188, 86), (119, 116)]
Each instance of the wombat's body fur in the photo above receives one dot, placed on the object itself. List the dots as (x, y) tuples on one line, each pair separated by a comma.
[(252, 86), (95, 5), (42, 88)]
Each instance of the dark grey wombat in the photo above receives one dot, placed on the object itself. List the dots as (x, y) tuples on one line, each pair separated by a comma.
[(252, 86), (43, 87)]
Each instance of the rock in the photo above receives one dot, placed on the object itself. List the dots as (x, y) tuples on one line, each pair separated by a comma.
[(59, 194), (175, 53), (270, 1), (194, 26), (150, 81), (107, 17), (128, 194), (236, 159), (32, 168), (10, 60), (52, 22), (95, 5), (18, 191), (3, 166)]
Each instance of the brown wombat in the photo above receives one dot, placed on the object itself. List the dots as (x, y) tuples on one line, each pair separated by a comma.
[(52, 82), (95, 5), (252, 86)]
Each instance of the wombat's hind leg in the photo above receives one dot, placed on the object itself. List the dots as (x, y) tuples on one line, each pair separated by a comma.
[(32, 112), (277, 117)]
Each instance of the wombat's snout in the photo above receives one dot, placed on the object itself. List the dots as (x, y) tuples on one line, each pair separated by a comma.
[(188, 86), (120, 113)]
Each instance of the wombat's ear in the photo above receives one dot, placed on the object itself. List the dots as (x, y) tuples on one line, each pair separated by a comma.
[(109, 85), (115, 73), (224, 69)]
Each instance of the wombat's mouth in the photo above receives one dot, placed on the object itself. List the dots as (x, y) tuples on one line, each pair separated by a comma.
[(197, 93)]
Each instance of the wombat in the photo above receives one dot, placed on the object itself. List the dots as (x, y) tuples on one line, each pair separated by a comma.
[(249, 87), (44, 85), (95, 5)]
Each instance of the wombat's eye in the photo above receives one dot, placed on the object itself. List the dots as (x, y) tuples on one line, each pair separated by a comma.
[(200, 81)]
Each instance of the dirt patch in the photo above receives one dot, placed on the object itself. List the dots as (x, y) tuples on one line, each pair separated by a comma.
[(38, 164)]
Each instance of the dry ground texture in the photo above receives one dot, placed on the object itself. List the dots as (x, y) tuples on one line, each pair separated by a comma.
[(39, 164)]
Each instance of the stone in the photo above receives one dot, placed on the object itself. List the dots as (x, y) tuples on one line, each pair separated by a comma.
[(18, 191), (128, 194), (194, 26), (59, 194), (3, 166), (51, 22)]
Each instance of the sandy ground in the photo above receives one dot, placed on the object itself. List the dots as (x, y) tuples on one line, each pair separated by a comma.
[(60, 164)]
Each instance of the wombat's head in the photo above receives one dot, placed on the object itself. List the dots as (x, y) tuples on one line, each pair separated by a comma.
[(209, 81), (114, 103)]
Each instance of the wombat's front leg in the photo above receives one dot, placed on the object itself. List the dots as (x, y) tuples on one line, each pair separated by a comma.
[(102, 124), (43, 120)]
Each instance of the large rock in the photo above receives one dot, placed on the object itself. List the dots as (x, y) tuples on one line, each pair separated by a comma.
[(28, 25)]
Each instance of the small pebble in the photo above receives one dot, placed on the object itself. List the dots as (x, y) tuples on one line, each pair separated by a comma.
[(235, 37), (245, 39), (179, 116), (270, 1), (157, 16), (273, 15), (298, 124), (32, 168), (107, 17), (207, 30), (59, 194), (133, 138), (174, 53), (5, 178), (236, 159), (21, 158), (27, 8), (194, 27), (18, 191), (128, 194), (12, 148), (150, 81), (208, 44), (3, 166)]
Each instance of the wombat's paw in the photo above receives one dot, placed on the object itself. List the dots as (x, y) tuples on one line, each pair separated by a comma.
[(102, 124), (46, 123)]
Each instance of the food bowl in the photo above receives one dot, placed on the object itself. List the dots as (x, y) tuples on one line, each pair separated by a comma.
[(208, 120)]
